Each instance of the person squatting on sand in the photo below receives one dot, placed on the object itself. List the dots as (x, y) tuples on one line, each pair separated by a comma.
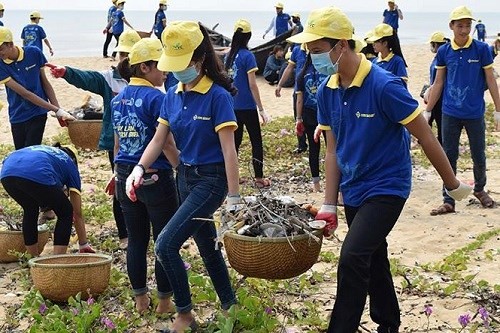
[(200, 115), (374, 175)]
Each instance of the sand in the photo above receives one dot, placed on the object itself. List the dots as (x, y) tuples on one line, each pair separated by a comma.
[(416, 238)]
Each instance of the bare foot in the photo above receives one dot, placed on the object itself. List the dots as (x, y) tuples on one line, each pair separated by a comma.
[(182, 322), (142, 303), (165, 305), (316, 187)]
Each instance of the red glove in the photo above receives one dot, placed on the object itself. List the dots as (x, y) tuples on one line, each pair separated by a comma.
[(56, 71), (299, 128), (110, 188), (328, 213), (85, 248)]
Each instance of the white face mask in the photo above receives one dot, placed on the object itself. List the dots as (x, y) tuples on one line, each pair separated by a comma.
[(323, 63)]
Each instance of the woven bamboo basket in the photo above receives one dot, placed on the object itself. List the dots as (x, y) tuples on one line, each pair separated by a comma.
[(85, 133), (60, 276), (272, 258), (12, 240)]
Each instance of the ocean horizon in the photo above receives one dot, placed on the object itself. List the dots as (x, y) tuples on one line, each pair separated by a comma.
[(70, 37)]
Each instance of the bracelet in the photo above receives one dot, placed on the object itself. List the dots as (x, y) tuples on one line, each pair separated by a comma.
[(142, 167), (233, 195), (298, 119)]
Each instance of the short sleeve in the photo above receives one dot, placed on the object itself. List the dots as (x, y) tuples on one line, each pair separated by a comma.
[(400, 69), (324, 114), (43, 35), (486, 56), (74, 180), (441, 56), (250, 62), (397, 103), (223, 111)]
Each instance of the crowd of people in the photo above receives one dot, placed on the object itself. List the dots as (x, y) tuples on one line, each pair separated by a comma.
[(174, 155)]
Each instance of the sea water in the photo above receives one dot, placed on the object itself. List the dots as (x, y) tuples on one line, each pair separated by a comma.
[(79, 33)]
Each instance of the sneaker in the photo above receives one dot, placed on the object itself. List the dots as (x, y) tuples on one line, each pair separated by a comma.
[(299, 150), (123, 243)]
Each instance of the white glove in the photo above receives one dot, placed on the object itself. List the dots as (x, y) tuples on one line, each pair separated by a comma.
[(64, 115), (496, 116), (461, 192), (427, 115), (264, 116), (233, 203), (134, 180)]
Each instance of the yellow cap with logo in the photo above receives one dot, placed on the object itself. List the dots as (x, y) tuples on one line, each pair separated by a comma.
[(36, 14), (5, 35), (180, 39), (119, 2), (297, 15), (461, 13), (145, 50), (127, 39), (279, 5), (329, 22), (163, 2), (382, 30), (244, 25), (367, 37), (1, 6), (437, 37)]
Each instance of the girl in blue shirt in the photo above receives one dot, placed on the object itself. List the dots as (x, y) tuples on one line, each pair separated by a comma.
[(160, 19), (200, 115), (135, 111), (241, 65)]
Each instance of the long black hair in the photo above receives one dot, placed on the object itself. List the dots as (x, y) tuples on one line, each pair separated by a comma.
[(239, 41), (393, 45), (211, 64), (68, 151)]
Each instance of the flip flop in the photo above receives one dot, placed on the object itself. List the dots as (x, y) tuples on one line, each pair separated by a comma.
[(485, 199), (445, 208)]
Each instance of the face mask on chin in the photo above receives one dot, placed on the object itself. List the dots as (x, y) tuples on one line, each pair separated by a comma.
[(187, 75), (323, 64)]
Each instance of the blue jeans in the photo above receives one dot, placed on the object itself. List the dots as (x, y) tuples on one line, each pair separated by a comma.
[(202, 190), (155, 205), (475, 129)]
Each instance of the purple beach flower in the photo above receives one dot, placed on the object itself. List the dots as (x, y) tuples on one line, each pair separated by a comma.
[(428, 309), (464, 319), (90, 301), (108, 323), (42, 308)]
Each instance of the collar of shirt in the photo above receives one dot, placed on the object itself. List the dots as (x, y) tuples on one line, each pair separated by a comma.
[(202, 87), (137, 81), (455, 47), (386, 59), (364, 68), (19, 58)]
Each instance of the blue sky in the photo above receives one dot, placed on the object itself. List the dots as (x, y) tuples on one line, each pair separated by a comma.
[(290, 5)]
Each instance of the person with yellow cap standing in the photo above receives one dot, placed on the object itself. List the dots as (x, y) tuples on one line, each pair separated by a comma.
[(160, 19), (200, 115), (108, 31), (107, 84), (117, 23), (2, 10), (281, 23), (464, 66), (366, 113), (135, 113), (392, 15), (33, 34), (480, 28)]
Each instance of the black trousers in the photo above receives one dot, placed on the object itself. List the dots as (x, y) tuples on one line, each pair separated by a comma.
[(437, 116), (109, 36), (310, 120), (301, 139), (364, 268), (31, 196), (29, 132), (250, 120), (117, 37), (117, 208)]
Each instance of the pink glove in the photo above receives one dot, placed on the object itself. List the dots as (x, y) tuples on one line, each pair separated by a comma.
[(328, 213), (56, 71), (299, 128)]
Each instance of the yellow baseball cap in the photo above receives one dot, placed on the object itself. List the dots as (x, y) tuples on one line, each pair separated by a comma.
[(279, 5), (145, 50), (296, 15), (460, 13), (163, 2), (180, 39), (359, 43), (367, 36), (119, 2), (391, 1), (127, 39), (5, 35), (36, 14), (1, 6), (329, 22), (244, 25), (437, 37), (382, 30)]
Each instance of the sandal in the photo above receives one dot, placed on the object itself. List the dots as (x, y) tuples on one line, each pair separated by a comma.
[(445, 208), (193, 327), (262, 182), (485, 199)]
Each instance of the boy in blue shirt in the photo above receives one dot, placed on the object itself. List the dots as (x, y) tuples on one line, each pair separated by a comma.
[(463, 66), (480, 28), (281, 23), (1, 13), (392, 15), (33, 34), (107, 31)]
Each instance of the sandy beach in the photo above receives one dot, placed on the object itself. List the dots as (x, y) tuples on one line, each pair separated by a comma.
[(416, 238)]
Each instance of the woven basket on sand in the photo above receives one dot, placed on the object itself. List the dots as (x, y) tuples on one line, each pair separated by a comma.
[(58, 277), (85, 133), (13, 240), (272, 258)]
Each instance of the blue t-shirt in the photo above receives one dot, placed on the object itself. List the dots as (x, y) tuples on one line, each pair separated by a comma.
[(117, 24), (111, 10), (309, 87), (195, 117), (244, 62), (367, 118), (481, 30), (391, 17), (463, 90), (1, 24), (433, 70), (135, 112), (158, 26), (43, 165), (298, 58), (170, 81), (282, 24), (394, 64), (25, 71), (33, 35)]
